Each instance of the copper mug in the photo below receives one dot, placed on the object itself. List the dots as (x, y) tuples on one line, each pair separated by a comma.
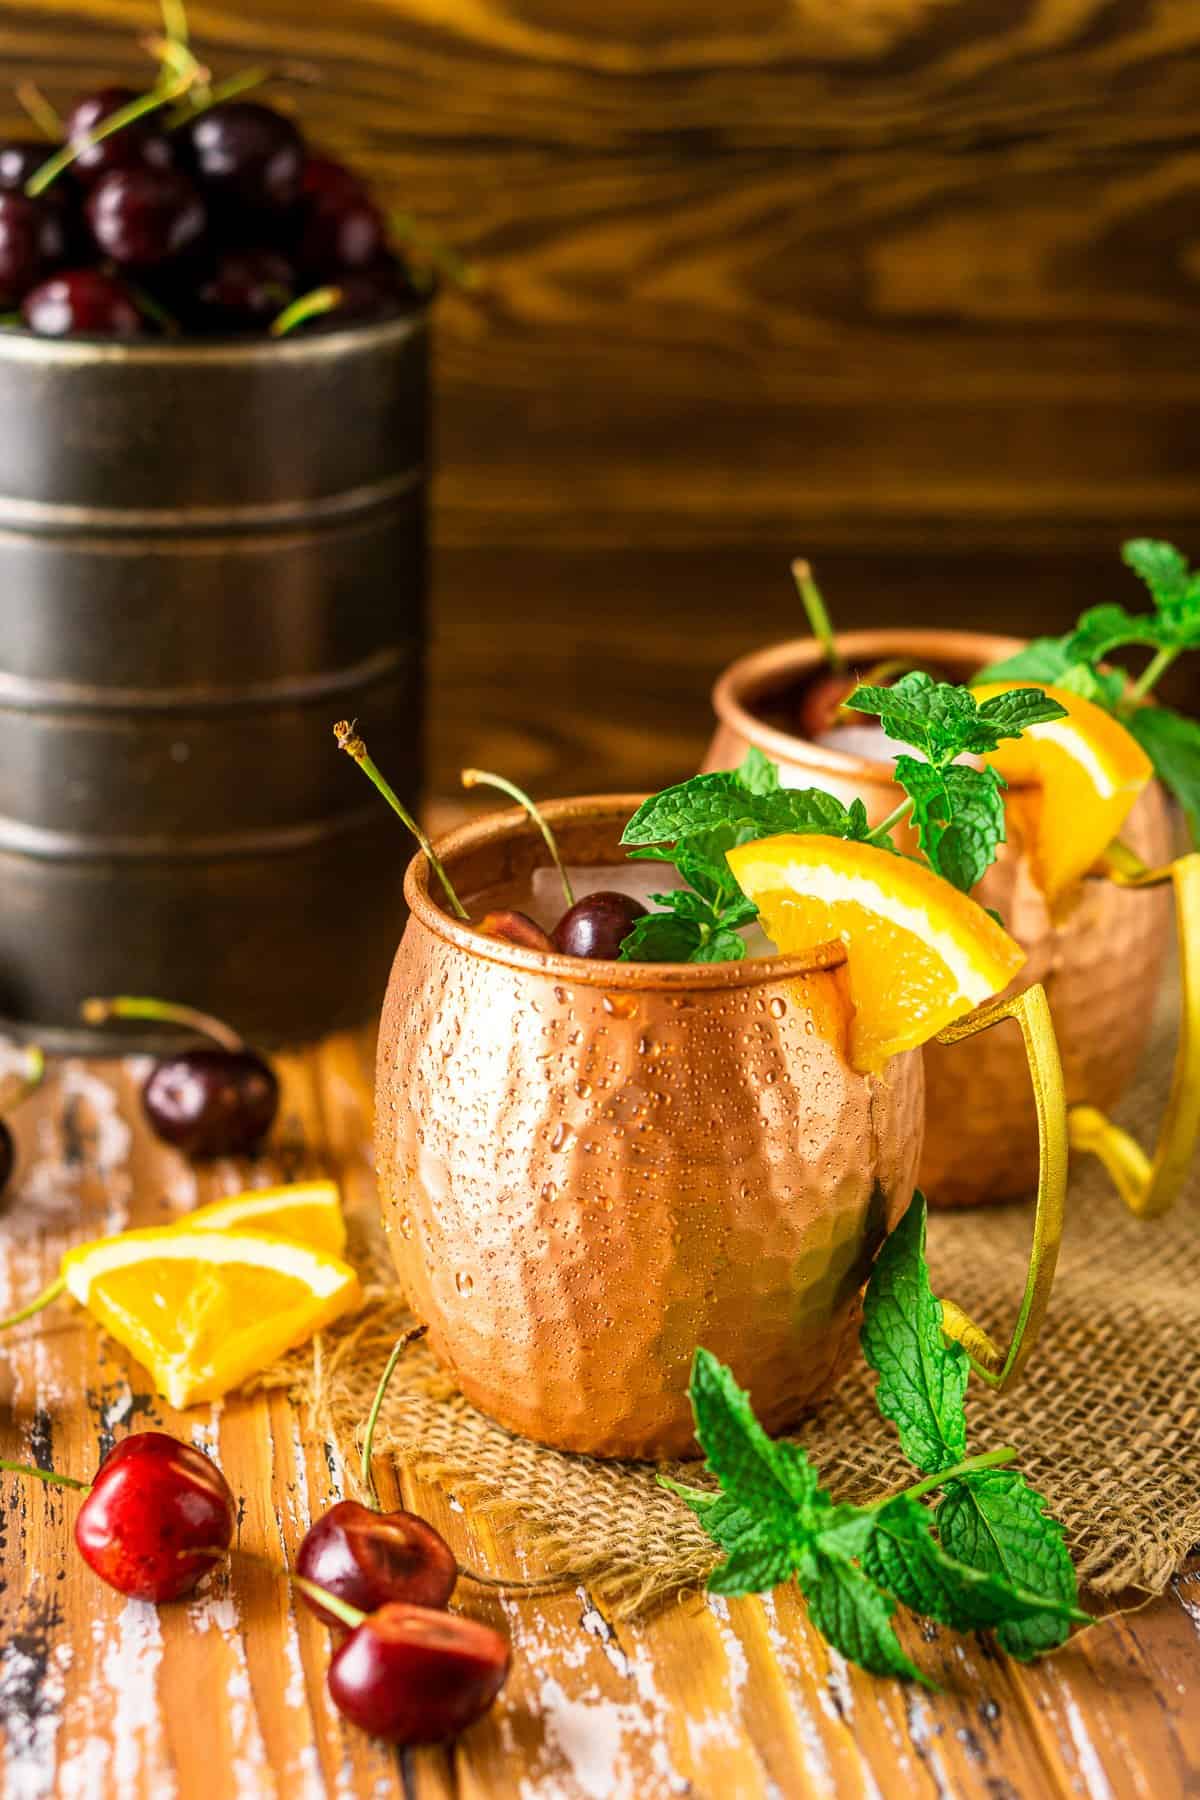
[(1100, 965), (587, 1169)]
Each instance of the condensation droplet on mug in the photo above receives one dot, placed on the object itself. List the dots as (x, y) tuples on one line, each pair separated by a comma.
[(583, 1089), (549, 1192), (778, 1007), (406, 1225), (464, 1283), (621, 1006), (562, 1135)]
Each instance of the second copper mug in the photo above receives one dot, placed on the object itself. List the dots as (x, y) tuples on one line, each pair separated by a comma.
[(587, 1169), (1100, 966)]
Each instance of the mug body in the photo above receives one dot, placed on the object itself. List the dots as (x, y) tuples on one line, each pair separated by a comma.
[(209, 550), (1100, 963), (588, 1169)]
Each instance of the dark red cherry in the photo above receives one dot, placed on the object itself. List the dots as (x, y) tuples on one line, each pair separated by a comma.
[(325, 181), (32, 239), (821, 700), (158, 1517), (248, 157), (84, 302), (416, 1676), (245, 288), (344, 234), (597, 925), (514, 928), (140, 145), (212, 1101), (142, 217), (368, 1559)]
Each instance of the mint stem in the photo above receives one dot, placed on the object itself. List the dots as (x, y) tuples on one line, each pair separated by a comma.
[(987, 1459), (1153, 671), (818, 618), (883, 831), (398, 1349)]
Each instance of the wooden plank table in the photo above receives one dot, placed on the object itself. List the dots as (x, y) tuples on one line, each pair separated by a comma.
[(222, 1695)]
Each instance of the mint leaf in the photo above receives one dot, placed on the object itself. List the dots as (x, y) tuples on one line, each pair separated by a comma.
[(1045, 659), (721, 946), (757, 772), (719, 801), (1173, 745), (994, 1521), (1106, 628), (855, 1616), (752, 1568), (922, 1378), (905, 1558), (661, 937), (958, 812), (1174, 588), (769, 1479), (944, 721), (1104, 687)]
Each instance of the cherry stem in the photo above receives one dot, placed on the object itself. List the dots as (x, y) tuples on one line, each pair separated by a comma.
[(98, 1011), (533, 1584), (19, 1087), (47, 1475), (125, 115), (175, 21), (818, 618), (45, 1298), (44, 116), (153, 310), (398, 1348), (309, 306), (349, 741), (484, 778), (341, 1609)]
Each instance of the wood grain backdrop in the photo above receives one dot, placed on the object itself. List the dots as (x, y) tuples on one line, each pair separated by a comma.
[(913, 285)]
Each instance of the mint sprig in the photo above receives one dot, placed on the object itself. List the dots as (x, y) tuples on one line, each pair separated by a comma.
[(988, 1556), (957, 809), (1074, 661)]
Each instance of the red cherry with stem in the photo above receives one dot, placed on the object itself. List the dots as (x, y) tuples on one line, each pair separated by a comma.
[(159, 1516), (370, 1558), (597, 925), (416, 1676), (248, 157), (83, 302), (360, 1556), (325, 181), (139, 145), (141, 217), (246, 288), (211, 1101)]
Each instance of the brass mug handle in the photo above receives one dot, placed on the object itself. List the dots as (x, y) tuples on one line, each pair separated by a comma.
[(1001, 1368), (1149, 1186)]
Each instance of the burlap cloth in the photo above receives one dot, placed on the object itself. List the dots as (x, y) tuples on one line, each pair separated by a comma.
[(1107, 1419)]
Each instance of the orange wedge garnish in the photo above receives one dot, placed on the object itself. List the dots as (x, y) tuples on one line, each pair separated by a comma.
[(1072, 785), (919, 953)]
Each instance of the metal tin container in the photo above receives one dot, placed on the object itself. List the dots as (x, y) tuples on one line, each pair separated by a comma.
[(588, 1168), (208, 552), (1100, 965)]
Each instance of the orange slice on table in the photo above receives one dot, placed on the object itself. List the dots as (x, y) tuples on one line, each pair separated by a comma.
[(309, 1211), (919, 953), (203, 1310), (1073, 783)]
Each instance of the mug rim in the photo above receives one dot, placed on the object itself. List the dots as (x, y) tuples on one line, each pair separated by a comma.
[(740, 680), (510, 822)]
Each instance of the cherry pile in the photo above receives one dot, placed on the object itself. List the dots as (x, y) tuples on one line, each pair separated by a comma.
[(202, 219), (593, 926), (214, 1100)]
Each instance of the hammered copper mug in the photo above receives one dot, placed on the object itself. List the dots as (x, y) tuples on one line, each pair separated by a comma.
[(587, 1168), (1100, 965)]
